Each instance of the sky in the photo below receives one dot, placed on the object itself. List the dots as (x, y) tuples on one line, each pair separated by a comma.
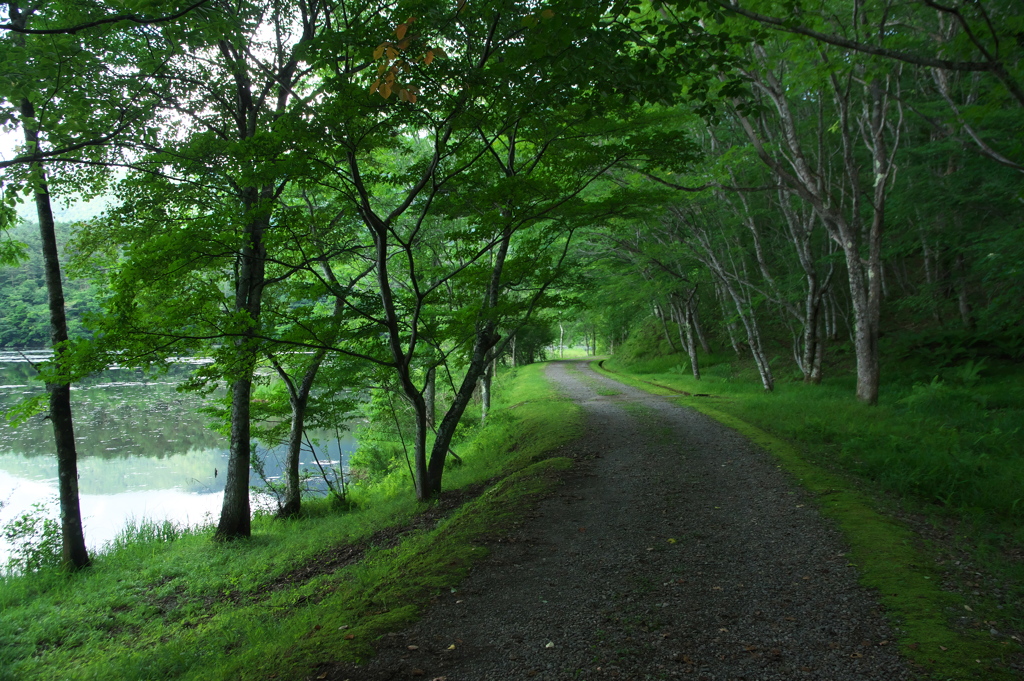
[(80, 210)]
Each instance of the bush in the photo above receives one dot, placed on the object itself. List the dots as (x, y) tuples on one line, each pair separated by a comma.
[(35, 539), (955, 407)]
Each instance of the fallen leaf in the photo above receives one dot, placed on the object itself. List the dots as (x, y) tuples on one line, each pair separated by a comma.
[(549, 644), (451, 647), (913, 646), (413, 647), (671, 541), (349, 637), (322, 676), (968, 608), (856, 655), (943, 648), (723, 630), (883, 643)]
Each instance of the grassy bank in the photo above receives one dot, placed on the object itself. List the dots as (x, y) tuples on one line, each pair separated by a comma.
[(928, 487), (299, 593)]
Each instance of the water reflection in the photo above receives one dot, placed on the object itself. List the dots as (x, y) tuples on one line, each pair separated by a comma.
[(144, 451)]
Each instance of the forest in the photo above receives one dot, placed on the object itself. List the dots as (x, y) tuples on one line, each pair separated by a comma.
[(396, 200), (802, 217)]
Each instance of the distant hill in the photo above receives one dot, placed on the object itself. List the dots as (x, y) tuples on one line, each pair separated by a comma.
[(80, 210)]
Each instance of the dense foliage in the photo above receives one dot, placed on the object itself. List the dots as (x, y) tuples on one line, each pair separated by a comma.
[(25, 322)]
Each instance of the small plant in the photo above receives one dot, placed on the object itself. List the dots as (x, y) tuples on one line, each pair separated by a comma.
[(144, 531), (273, 489), (954, 405), (682, 369), (35, 540), (967, 375)]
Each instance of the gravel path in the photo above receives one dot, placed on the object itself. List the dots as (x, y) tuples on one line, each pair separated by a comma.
[(675, 549)]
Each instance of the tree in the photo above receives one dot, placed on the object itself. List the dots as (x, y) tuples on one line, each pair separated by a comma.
[(55, 116), (509, 144)]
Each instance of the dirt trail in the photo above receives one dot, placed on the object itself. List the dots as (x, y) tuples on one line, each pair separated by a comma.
[(675, 549)]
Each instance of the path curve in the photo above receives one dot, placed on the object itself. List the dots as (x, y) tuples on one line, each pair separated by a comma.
[(676, 548)]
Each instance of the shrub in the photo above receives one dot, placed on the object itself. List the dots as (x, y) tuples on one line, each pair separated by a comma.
[(35, 539)]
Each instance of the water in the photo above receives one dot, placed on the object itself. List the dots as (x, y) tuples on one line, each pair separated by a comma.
[(144, 451)]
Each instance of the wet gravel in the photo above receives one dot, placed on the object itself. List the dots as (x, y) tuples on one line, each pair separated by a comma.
[(675, 549)]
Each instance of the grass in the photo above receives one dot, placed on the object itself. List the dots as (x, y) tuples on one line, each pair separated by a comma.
[(945, 455), (300, 593), (571, 353)]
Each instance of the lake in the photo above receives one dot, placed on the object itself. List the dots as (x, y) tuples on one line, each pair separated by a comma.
[(144, 451)]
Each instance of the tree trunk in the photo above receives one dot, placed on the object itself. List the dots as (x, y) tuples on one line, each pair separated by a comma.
[(749, 321), (868, 315), (485, 340), (819, 356), (293, 491), (660, 314), (73, 551), (966, 314), (485, 394), (684, 320), (298, 398), (430, 397), (234, 515), (697, 326), (235, 510), (730, 325), (812, 340), (865, 324), (561, 341)]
